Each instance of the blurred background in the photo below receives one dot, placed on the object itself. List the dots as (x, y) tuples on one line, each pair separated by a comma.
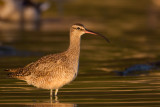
[(122, 73)]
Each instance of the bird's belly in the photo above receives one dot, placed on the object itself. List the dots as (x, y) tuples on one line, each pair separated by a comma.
[(51, 82)]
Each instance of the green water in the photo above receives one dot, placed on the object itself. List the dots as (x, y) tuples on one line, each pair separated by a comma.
[(132, 42)]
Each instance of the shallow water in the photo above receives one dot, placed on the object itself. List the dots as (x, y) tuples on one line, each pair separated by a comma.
[(96, 85)]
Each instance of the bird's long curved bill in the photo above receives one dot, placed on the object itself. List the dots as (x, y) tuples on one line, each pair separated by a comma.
[(94, 33)]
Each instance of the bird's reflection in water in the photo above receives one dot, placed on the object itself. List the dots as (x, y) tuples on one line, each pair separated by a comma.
[(55, 99)]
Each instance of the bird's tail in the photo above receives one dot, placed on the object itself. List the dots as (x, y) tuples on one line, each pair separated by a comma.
[(13, 72)]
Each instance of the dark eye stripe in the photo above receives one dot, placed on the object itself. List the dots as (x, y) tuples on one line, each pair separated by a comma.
[(78, 28)]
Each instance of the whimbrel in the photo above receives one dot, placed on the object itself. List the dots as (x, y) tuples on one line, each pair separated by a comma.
[(55, 70)]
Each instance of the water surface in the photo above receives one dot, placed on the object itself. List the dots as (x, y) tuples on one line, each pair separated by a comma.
[(97, 84)]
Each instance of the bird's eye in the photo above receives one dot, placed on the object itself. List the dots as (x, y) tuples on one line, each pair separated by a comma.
[(78, 28)]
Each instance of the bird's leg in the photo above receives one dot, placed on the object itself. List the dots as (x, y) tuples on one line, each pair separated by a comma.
[(51, 95), (56, 98), (56, 91)]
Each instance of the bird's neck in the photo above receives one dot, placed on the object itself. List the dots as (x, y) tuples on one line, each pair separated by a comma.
[(74, 46)]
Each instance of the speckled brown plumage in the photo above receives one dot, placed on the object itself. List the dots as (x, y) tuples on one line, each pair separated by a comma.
[(55, 70)]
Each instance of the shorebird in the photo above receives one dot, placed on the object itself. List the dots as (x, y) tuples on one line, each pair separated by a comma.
[(55, 70), (27, 10), (26, 14)]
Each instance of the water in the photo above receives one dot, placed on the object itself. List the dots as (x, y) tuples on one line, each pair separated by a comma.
[(97, 83)]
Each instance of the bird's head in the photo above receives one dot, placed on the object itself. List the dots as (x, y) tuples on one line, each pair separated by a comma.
[(79, 29)]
